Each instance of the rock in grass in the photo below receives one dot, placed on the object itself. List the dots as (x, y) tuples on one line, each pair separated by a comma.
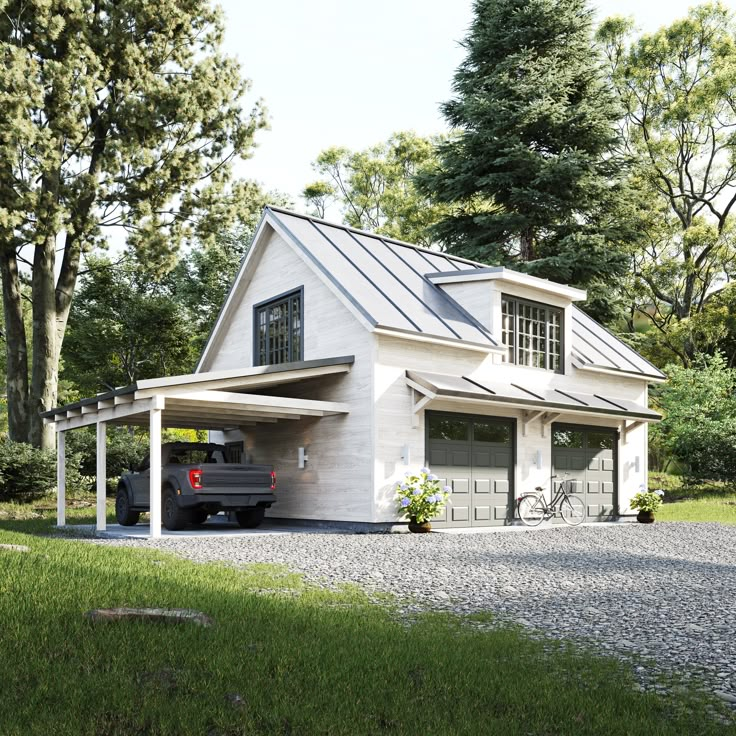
[(163, 615), (15, 547)]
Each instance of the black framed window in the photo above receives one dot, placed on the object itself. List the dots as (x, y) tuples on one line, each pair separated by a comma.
[(532, 334), (278, 329)]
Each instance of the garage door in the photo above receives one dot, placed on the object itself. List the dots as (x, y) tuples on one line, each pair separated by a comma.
[(474, 456), (588, 456)]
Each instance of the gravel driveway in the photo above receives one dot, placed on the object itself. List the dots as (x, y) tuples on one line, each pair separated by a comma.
[(676, 583)]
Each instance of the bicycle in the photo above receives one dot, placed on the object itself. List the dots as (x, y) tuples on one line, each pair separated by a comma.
[(533, 507)]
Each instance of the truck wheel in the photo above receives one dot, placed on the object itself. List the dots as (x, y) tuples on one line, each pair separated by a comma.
[(123, 513), (173, 517), (199, 516), (250, 518)]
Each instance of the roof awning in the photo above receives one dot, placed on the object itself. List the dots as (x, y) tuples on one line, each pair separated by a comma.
[(211, 400), (514, 395)]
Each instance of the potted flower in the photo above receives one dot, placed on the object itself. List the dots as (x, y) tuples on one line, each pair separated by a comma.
[(420, 497), (647, 502)]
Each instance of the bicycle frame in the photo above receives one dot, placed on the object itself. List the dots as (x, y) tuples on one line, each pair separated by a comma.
[(553, 508)]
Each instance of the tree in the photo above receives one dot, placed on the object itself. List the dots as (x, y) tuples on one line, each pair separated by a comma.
[(203, 276), (678, 90), (531, 174), (111, 114), (124, 326), (699, 425), (375, 188)]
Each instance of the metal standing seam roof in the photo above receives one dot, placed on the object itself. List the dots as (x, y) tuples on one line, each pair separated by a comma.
[(464, 387), (388, 282), (385, 279)]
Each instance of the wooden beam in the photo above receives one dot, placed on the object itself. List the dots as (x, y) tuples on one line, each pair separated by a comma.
[(60, 479), (154, 454), (220, 380), (257, 402), (527, 417), (629, 427), (105, 415), (230, 414), (101, 476), (547, 419)]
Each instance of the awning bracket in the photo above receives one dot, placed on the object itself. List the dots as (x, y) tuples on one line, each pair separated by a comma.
[(547, 420), (420, 397), (627, 428), (527, 417)]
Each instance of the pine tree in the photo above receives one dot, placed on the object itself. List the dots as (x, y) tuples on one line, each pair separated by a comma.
[(532, 172)]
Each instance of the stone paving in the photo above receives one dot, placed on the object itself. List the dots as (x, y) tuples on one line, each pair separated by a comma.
[(662, 592)]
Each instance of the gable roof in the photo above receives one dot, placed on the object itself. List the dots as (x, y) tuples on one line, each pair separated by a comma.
[(389, 284), (385, 279)]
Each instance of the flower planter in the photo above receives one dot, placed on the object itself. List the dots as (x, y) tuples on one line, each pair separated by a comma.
[(645, 517), (419, 527)]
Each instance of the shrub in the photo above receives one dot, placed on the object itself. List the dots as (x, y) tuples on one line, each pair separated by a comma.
[(25, 472), (699, 425), (123, 450)]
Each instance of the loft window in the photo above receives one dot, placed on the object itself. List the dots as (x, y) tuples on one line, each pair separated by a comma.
[(278, 329), (532, 334)]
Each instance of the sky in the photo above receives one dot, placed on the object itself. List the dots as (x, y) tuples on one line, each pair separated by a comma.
[(348, 73)]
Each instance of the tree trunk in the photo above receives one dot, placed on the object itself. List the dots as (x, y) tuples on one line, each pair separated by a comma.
[(45, 360), (15, 347), (526, 246)]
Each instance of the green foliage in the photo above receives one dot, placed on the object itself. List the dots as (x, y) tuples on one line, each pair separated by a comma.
[(202, 278), (375, 188), (125, 449), (111, 114), (676, 87), (699, 425), (25, 471), (124, 326), (420, 497), (532, 175), (647, 500)]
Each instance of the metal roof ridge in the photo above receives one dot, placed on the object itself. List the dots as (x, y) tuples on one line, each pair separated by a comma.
[(368, 233)]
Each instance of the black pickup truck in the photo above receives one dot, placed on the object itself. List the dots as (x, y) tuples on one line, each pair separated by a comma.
[(197, 480)]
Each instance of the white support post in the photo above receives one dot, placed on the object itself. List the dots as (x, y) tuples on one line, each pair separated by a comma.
[(101, 476), (154, 502), (61, 479)]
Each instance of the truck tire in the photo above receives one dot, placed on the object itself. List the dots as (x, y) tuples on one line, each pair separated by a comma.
[(173, 516), (250, 518), (123, 513)]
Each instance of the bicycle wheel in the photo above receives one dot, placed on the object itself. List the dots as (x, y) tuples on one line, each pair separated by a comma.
[(531, 509), (572, 510)]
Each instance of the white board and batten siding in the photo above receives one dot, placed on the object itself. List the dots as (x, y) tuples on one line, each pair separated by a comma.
[(394, 418), (337, 481)]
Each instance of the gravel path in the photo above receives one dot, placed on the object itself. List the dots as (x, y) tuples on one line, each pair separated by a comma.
[(664, 591)]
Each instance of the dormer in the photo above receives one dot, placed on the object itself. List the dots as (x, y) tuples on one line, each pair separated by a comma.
[(529, 315)]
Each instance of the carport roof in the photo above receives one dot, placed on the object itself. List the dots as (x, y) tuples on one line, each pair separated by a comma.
[(436, 385), (209, 400)]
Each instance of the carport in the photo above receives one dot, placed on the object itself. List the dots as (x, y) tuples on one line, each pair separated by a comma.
[(214, 400)]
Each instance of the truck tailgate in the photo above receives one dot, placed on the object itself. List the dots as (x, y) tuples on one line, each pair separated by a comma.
[(236, 477)]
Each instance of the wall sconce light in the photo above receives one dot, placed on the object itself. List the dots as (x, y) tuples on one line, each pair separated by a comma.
[(406, 455), (636, 464), (538, 460), (303, 458)]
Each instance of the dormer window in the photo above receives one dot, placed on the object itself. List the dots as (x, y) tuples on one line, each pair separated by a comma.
[(278, 330), (532, 334)]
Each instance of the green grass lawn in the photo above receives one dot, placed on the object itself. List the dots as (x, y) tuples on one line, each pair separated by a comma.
[(301, 660), (704, 501), (714, 507)]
